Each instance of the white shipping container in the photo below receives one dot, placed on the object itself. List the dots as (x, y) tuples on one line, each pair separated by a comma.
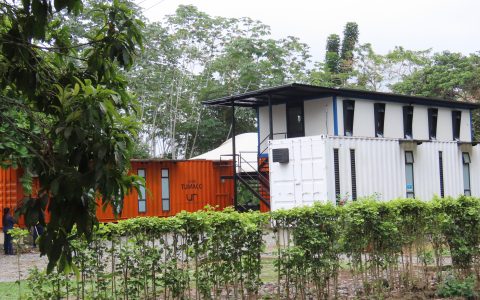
[(379, 166)]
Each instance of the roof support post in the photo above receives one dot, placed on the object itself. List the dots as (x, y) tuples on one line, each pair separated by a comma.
[(270, 117), (234, 157)]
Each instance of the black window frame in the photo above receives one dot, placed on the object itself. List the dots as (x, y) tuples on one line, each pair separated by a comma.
[(379, 119), (142, 198), (348, 117), (456, 124), (440, 169), (164, 208), (353, 170), (336, 172), (466, 166), (410, 160), (294, 104), (432, 123), (408, 121)]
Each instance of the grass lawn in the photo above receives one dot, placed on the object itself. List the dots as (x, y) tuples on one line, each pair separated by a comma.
[(268, 275), (9, 290)]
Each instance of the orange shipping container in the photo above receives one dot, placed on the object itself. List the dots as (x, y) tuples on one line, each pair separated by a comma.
[(176, 185), (11, 191), (188, 185)]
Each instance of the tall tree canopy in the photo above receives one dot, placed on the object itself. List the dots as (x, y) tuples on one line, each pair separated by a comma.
[(65, 113), (337, 67), (191, 57)]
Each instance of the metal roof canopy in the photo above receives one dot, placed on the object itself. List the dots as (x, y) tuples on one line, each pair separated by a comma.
[(300, 92)]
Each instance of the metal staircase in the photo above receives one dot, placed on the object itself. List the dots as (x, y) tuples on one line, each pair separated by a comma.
[(252, 172)]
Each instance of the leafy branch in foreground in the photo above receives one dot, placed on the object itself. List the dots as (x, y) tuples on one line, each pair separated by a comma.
[(65, 112)]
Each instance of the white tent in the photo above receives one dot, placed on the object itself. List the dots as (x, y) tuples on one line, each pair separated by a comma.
[(245, 148)]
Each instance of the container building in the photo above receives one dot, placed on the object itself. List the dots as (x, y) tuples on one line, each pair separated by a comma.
[(333, 144)]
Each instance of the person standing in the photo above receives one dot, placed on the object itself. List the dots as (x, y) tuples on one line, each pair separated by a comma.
[(7, 221)]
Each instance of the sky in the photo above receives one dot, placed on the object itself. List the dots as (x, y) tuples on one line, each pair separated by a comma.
[(452, 25)]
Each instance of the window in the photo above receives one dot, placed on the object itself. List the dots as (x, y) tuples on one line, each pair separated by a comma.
[(379, 111), (407, 121), (354, 174), (456, 121), (410, 186), (432, 123), (165, 190), (440, 167), (142, 200), (466, 174), (336, 170), (348, 112), (295, 120)]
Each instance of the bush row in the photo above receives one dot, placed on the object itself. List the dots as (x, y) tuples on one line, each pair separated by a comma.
[(382, 247)]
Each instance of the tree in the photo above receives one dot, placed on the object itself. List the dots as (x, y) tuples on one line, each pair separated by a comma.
[(332, 56), (446, 75), (191, 57), (338, 65), (350, 39), (65, 113)]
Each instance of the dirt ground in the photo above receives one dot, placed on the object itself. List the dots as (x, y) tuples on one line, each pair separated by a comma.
[(9, 268)]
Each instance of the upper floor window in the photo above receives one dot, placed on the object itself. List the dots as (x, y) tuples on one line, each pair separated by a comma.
[(379, 111), (432, 123), (456, 121), (295, 120), (348, 112), (407, 121)]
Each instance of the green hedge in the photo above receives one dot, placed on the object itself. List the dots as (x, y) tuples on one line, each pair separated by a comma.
[(383, 247)]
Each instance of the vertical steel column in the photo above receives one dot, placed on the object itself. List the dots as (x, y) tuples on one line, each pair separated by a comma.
[(270, 118), (234, 157)]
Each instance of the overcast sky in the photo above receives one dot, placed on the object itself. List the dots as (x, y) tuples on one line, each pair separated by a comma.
[(414, 24)]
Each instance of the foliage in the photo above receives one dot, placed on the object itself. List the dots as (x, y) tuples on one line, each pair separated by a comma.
[(308, 254), (453, 287), (190, 57), (338, 64), (18, 236), (65, 112), (350, 39), (446, 75), (210, 254), (215, 252)]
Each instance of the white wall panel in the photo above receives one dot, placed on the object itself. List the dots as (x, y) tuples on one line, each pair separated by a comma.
[(444, 124), (420, 122), (465, 133), (393, 120), (279, 123), (364, 119), (318, 120), (263, 126)]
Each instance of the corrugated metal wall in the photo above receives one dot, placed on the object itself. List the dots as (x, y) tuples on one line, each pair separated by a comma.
[(303, 179), (193, 185), (380, 169), (11, 191)]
